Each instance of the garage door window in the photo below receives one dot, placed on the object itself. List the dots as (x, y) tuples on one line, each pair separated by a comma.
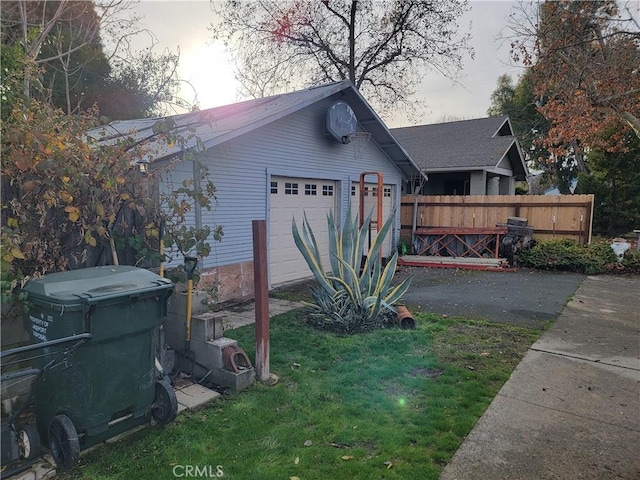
[(327, 190), (274, 187), (290, 188), (310, 189)]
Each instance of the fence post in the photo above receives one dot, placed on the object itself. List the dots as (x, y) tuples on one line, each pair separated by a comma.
[(261, 287)]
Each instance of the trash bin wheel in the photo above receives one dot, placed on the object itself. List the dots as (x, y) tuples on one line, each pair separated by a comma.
[(165, 404), (63, 442), (28, 442)]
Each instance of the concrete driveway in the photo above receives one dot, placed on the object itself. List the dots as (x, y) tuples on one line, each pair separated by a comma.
[(571, 409)]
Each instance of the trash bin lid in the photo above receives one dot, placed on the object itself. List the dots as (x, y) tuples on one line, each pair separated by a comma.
[(95, 283)]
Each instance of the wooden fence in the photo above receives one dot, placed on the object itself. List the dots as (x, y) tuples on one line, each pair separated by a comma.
[(551, 216)]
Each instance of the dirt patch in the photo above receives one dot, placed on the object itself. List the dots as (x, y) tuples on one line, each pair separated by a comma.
[(297, 292)]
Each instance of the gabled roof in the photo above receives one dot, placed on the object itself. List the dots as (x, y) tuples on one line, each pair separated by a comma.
[(479, 144), (217, 125)]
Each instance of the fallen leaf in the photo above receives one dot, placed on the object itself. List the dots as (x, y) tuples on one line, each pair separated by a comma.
[(308, 443), (470, 367), (296, 461), (485, 354), (346, 457), (294, 478), (388, 464)]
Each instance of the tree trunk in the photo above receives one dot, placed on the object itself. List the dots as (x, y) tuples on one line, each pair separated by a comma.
[(352, 42), (633, 121)]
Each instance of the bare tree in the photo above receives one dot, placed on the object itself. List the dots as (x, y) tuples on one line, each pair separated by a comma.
[(384, 47)]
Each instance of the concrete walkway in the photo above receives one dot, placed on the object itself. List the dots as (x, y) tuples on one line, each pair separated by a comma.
[(571, 409)]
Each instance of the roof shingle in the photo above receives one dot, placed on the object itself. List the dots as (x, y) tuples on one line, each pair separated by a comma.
[(478, 143)]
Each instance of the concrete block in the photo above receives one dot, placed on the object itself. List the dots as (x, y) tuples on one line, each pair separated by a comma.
[(209, 363), (208, 356), (237, 382), (206, 327), (178, 302), (216, 350)]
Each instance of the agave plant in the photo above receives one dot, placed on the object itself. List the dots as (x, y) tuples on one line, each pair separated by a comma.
[(354, 296)]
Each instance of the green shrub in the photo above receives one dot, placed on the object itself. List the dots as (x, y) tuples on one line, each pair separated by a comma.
[(631, 261), (567, 255)]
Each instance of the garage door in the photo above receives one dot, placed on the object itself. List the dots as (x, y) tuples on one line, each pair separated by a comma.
[(371, 205), (292, 198)]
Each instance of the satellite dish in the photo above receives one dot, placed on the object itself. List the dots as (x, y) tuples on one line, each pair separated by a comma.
[(341, 121)]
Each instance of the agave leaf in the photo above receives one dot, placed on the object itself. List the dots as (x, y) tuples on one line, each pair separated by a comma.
[(312, 257), (349, 232), (397, 292), (372, 306), (334, 244), (311, 239), (360, 242), (349, 282), (369, 279), (376, 245), (387, 275)]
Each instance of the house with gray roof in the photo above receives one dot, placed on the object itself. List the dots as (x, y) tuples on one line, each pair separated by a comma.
[(276, 159), (468, 157)]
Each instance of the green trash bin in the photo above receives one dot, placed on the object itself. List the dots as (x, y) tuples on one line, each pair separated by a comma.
[(91, 390)]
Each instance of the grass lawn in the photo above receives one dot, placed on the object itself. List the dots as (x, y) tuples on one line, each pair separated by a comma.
[(388, 404)]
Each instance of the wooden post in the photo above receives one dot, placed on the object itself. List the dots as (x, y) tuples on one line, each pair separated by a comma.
[(261, 287)]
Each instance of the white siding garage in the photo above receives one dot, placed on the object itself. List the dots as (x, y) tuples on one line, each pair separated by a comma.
[(290, 198), (295, 140)]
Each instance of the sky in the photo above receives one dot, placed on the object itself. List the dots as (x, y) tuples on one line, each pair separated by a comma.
[(184, 24)]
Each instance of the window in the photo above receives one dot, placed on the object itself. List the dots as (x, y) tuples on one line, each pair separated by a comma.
[(327, 190), (353, 190), (274, 187), (290, 188), (374, 192), (387, 191), (310, 189)]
